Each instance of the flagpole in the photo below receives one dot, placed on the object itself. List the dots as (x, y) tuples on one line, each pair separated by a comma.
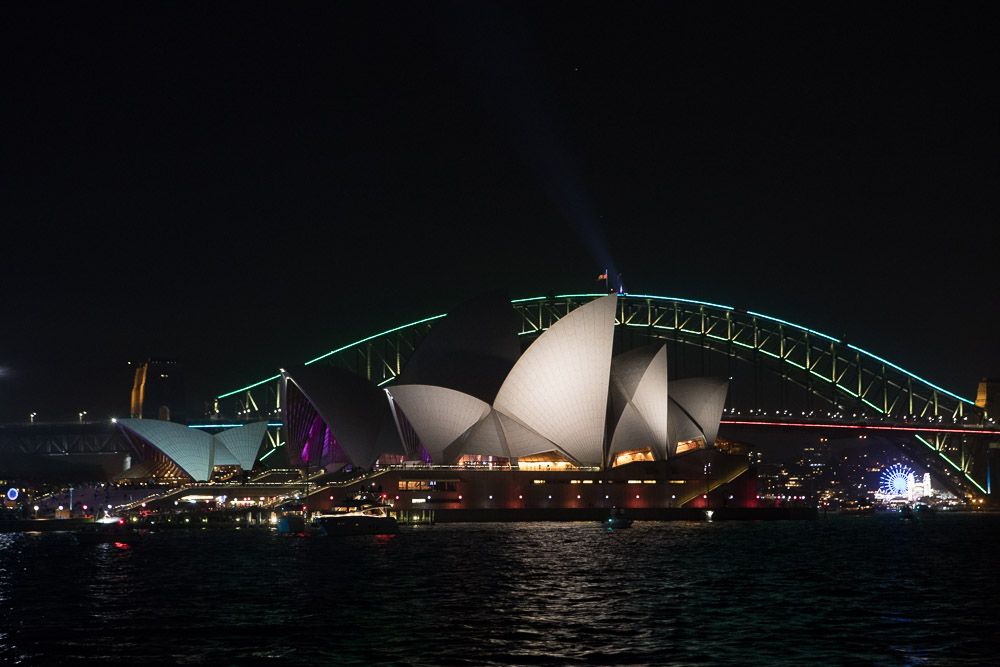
[(606, 287)]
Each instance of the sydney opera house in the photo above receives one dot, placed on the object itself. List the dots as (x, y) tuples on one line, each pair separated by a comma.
[(197, 453), (475, 425)]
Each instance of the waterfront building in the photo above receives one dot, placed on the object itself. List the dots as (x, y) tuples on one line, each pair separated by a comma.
[(919, 487), (474, 424), (565, 424)]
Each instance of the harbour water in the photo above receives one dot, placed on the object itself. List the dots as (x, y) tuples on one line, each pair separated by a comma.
[(835, 591)]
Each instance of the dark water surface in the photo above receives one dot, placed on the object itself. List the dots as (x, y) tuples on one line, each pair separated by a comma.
[(837, 591)]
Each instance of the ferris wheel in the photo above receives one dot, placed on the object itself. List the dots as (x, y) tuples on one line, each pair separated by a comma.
[(895, 480)]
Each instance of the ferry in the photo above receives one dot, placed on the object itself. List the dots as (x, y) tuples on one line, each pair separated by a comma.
[(107, 530), (362, 517)]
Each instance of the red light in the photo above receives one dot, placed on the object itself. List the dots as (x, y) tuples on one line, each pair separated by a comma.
[(121, 522), (303, 508), (868, 427), (704, 495)]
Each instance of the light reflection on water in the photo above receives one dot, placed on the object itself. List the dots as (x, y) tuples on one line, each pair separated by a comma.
[(845, 590)]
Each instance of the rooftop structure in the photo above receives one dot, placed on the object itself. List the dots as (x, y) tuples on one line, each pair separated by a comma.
[(557, 402), (468, 397), (197, 452)]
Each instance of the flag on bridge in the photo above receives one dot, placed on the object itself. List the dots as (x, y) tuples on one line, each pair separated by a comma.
[(603, 276)]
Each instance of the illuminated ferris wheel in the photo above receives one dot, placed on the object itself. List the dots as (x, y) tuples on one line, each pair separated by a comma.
[(895, 480)]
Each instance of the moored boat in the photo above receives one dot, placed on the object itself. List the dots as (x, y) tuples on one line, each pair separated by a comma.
[(366, 520), (617, 519), (292, 524), (108, 530)]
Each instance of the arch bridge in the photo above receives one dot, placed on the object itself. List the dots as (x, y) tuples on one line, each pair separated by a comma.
[(781, 375)]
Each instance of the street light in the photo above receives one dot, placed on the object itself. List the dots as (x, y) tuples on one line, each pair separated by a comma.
[(82, 415), (32, 417)]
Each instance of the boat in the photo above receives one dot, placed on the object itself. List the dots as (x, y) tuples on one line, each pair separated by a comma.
[(107, 530), (857, 507), (292, 524), (617, 519), (917, 511), (362, 518)]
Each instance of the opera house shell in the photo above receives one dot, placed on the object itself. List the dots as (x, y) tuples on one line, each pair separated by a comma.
[(468, 394), (197, 452)]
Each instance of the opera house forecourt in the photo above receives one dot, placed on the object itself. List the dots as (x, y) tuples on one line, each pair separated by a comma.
[(474, 428)]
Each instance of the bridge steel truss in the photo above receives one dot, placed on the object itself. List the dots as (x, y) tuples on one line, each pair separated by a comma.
[(63, 439), (777, 371)]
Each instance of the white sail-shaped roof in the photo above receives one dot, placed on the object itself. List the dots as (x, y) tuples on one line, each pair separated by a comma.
[(353, 408), (243, 444), (640, 382), (487, 437), (632, 432), (559, 386), (702, 400), (521, 440), (682, 428), (440, 416), (650, 398), (220, 455), (189, 448)]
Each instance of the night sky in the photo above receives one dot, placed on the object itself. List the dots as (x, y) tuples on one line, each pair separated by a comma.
[(246, 186)]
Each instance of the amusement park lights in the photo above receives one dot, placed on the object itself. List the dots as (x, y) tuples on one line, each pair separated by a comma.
[(895, 480)]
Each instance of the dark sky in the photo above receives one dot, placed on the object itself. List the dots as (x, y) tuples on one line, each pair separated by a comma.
[(246, 186)]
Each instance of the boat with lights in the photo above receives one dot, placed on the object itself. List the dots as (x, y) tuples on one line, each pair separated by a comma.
[(915, 511), (617, 520), (361, 516), (107, 530)]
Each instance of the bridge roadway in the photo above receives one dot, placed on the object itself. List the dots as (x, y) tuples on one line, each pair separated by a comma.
[(58, 438), (930, 426)]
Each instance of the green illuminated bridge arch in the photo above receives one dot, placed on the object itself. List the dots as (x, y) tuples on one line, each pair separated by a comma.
[(779, 372)]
